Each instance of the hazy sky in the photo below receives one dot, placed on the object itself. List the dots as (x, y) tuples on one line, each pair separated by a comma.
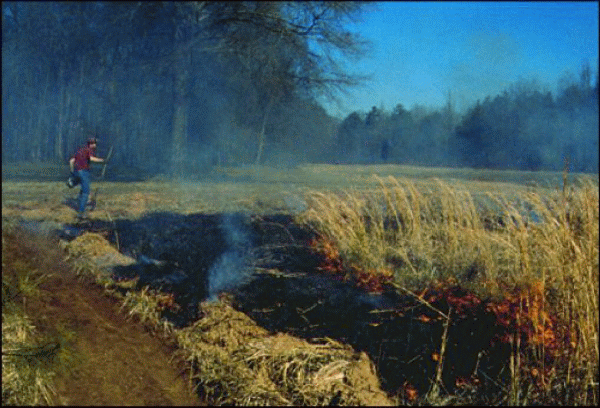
[(422, 50)]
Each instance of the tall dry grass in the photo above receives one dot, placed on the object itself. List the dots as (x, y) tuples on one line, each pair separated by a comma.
[(541, 243), (27, 367), (27, 371)]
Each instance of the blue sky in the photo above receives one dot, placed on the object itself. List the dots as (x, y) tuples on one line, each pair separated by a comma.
[(422, 50)]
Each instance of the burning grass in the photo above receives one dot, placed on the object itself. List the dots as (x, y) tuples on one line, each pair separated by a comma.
[(525, 261), (535, 255), (232, 359)]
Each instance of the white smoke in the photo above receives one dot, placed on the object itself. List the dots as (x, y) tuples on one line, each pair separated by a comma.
[(232, 268), (295, 204)]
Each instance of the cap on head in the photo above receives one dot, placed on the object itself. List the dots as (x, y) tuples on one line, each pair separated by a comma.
[(92, 140)]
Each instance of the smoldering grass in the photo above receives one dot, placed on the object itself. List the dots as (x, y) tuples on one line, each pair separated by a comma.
[(431, 232), (232, 268), (491, 243)]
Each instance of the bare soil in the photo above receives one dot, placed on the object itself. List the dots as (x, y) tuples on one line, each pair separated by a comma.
[(107, 359)]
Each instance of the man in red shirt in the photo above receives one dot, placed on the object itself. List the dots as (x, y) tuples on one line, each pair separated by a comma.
[(80, 169)]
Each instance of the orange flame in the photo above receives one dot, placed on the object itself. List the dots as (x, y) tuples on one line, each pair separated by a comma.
[(371, 280), (522, 311), (410, 391)]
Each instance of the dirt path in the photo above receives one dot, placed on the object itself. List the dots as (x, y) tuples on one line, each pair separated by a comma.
[(111, 359)]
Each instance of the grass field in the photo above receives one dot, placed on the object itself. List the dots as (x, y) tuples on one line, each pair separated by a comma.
[(32, 189), (524, 244)]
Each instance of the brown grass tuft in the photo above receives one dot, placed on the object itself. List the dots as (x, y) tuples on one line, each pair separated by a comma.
[(235, 361)]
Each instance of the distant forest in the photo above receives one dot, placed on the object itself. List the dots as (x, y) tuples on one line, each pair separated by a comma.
[(180, 87), (523, 128)]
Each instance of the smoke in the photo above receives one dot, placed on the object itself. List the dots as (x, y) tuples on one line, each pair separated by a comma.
[(483, 67), (231, 269), (294, 203)]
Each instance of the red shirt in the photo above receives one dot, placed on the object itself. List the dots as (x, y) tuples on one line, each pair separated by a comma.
[(82, 158)]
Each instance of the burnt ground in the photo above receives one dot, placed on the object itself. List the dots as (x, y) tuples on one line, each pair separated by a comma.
[(176, 253), (401, 335), (105, 358)]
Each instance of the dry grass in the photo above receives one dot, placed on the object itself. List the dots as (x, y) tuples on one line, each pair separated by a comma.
[(415, 231), (543, 244), (26, 374), (92, 255), (148, 306), (235, 361), (26, 367)]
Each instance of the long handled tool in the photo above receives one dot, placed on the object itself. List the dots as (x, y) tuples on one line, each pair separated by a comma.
[(105, 162), (92, 201)]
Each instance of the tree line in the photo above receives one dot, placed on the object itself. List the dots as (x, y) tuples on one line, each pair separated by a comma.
[(175, 87), (179, 87), (522, 128)]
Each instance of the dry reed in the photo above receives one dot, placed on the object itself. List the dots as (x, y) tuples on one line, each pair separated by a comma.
[(542, 245)]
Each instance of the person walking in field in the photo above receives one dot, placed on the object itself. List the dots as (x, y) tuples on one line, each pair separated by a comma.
[(79, 165)]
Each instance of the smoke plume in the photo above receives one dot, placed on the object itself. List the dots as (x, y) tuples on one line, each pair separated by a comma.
[(231, 269)]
